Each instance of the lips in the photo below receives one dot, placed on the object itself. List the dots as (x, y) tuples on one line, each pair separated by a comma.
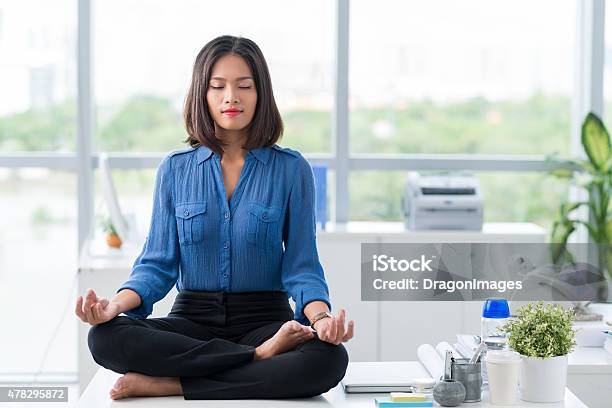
[(232, 111)]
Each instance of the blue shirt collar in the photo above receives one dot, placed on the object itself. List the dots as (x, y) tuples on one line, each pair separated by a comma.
[(262, 154)]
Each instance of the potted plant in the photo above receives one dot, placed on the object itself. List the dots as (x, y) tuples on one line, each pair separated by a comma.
[(112, 238), (594, 175), (543, 336)]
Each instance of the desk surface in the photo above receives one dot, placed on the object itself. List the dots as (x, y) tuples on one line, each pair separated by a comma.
[(589, 360), (96, 396)]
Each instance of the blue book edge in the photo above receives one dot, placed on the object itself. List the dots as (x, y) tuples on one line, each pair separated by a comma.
[(386, 402)]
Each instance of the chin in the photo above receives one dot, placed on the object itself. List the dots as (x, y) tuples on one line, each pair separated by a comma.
[(233, 126)]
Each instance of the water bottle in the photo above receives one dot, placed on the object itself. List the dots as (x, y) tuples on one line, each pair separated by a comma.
[(495, 314)]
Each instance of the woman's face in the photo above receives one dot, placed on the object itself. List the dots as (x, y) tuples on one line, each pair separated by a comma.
[(231, 93)]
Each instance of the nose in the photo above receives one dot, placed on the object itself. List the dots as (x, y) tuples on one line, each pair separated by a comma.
[(230, 95)]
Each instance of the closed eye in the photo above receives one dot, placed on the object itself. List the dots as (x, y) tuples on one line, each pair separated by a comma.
[(240, 87)]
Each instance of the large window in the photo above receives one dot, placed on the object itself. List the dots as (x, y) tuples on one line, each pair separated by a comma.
[(37, 75), (38, 206), (468, 77), (38, 268), (472, 76), (142, 75)]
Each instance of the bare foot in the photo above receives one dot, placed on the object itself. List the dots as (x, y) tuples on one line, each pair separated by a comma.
[(286, 338), (140, 385)]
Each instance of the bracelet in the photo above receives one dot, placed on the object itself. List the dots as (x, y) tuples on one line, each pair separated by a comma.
[(319, 316)]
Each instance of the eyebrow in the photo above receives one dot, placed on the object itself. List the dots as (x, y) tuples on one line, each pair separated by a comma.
[(239, 78)]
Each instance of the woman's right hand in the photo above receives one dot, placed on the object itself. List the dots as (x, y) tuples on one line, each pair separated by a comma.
[(95, 310)]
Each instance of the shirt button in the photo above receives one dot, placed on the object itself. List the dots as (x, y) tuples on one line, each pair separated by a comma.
[(226, 244), (264, 216), (225, 275), (226, 215), (186, 213)]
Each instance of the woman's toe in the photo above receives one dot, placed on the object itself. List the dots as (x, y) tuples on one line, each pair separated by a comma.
[(119, 384)]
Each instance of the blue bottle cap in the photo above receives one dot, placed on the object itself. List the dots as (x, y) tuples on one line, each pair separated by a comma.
[(496, 309)]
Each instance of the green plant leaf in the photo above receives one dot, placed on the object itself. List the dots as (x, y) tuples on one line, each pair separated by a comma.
[(559, 236), (596, 141), (608, 260), (578, 165), (587, 166), (562, 173), (584, 180), (541, 330), (608, 165), (609, 230), (571, 207), (593, 232)]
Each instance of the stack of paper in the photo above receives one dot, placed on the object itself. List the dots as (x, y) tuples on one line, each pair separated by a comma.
[(404, 399)]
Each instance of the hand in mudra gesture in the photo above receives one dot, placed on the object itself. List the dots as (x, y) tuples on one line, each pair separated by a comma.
[(332, 330), (95, 310)]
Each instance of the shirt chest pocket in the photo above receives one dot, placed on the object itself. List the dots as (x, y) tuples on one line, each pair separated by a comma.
[(190, 218), (264, 226)]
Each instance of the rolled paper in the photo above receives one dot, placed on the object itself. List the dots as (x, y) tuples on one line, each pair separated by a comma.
[(432, 361)]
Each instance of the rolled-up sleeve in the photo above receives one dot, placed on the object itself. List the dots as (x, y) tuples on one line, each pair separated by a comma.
[(302, 274), (156, 269)]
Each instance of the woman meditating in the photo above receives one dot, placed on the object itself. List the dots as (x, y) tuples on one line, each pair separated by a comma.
[(233, 227)]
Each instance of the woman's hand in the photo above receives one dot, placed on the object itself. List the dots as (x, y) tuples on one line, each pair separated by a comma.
[(332, 330), (95, 310)]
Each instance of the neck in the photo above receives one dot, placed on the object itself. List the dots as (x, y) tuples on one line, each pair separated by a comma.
[(234, 139)]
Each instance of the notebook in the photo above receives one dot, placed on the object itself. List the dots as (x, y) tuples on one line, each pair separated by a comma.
[(382, 376)]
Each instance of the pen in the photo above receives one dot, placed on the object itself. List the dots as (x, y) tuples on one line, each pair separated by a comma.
[(481, 348)]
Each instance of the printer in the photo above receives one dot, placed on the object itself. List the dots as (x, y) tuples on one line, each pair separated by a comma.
[(447, 200)]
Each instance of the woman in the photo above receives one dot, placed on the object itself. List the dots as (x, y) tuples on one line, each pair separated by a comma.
[(233, 227)]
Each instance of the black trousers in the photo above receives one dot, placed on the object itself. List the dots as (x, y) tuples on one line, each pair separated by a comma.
[(208, 340)]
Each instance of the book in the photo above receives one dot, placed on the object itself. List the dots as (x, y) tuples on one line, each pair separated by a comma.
[(386, 402), (407, 396)]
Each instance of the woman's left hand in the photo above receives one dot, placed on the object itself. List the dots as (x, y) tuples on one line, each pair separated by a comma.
[(332, 330)]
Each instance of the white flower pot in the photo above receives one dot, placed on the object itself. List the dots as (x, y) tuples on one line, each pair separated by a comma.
[(543, 379)]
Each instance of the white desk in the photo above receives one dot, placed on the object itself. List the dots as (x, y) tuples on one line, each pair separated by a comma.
[(384, 331), (96, 396)]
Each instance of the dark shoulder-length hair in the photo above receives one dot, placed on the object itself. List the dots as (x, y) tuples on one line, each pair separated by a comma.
[(265, 128)]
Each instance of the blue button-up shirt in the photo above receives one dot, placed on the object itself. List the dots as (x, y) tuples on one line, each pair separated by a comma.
[(263, 239)]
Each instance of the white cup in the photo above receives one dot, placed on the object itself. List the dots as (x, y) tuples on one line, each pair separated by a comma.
[(503, 373)]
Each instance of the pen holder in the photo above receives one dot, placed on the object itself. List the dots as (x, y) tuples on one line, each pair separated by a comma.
[(470, 375)]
